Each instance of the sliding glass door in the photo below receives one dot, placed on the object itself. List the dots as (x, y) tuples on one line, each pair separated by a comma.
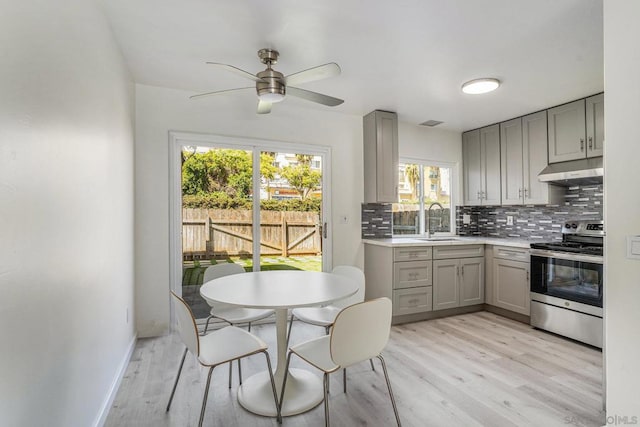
[(260, 206)]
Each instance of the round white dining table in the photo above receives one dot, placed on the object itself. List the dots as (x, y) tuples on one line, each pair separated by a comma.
[(280, 290)]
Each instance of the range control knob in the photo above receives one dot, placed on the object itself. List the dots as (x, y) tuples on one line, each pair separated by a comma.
[(574, 225), (567, 225)]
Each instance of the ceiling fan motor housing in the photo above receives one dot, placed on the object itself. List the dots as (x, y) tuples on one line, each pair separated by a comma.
[(273, 82)]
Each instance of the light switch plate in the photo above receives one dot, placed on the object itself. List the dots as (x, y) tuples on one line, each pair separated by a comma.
[(633, 247)]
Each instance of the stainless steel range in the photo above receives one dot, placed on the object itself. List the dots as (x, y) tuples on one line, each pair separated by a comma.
[(567, 285)]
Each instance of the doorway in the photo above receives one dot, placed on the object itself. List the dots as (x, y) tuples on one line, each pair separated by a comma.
[(260, 204)]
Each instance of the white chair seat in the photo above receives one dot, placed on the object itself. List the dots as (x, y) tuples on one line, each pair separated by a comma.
[(228, 343), (236, 315), (319, 316), (316, 352)]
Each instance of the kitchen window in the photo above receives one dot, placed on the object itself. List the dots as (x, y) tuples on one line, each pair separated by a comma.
[(421, 185)]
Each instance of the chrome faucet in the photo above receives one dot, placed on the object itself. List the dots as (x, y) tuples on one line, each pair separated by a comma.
[(429, 218)]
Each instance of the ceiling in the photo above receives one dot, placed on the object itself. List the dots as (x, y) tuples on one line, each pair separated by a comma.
[(410, 56)]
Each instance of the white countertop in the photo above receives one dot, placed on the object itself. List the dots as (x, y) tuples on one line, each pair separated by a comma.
[(455, 240)]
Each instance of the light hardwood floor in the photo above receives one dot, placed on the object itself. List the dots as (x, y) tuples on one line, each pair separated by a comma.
[(476, 369)]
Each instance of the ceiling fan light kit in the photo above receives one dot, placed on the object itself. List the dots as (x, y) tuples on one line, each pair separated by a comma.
[(479, 86), (271, 85)]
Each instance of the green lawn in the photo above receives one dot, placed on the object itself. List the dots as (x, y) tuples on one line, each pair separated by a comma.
[(193, 271)]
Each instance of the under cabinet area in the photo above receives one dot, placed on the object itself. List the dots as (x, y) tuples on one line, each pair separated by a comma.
[(458, 276), (510, 279)]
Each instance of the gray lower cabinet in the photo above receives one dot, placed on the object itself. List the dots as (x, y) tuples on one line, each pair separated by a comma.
[(510, 277), (402, 274), (458, 276)]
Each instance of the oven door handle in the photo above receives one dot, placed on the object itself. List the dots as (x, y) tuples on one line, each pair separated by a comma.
[(566, 256)]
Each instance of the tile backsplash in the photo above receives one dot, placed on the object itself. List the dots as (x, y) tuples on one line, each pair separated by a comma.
[(376, 220), (529, 222), (532, 222)]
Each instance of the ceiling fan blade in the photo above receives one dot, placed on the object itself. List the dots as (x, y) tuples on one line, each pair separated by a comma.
[(219, 92), (312, 74), (314, 96), (264, 107), (236, 70)]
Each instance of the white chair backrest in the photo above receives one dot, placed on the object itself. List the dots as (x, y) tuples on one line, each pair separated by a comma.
[(187, 328), (361, 331), (221, 270), (356, 274)]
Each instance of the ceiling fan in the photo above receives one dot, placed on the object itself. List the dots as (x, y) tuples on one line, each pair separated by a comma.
[(272, 86)]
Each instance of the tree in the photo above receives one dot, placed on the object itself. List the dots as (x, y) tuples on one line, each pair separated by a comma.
[(412, 172), (302, 178), (304, 159)]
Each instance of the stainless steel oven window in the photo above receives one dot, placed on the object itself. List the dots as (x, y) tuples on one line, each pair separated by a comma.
[(574, 280)]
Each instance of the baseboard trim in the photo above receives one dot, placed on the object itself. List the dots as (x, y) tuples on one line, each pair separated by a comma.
[(101, 418)]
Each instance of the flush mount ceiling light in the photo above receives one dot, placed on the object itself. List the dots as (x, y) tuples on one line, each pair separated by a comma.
[(478, 86)]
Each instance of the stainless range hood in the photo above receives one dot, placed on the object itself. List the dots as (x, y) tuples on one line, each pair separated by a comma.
[(574, 172)]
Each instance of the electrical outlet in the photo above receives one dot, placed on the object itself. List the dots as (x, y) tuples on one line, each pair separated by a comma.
[(466, 219), (509, 220)]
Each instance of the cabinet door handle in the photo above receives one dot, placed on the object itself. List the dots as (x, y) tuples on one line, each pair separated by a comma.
[(581, 144), (590, 143), (526, 193), (457, 270), (462, 270), (527, 276), (519, 193)]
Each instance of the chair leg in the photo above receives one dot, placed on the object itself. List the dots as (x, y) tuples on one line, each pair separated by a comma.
[(230, 372), (175, 384), (327, 329), (207, 325), (284, 384), (344, 379), (249, 328), (393, 400), (206, 394), (373, 368), (273, 385), (240, 371), (326, 399), (289, 331)]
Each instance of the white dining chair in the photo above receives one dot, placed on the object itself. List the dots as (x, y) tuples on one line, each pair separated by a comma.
[(360, 332), (232, 314), (216, 348), (325, 316)]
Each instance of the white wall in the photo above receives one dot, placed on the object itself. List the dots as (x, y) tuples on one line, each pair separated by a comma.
[(159, 110), (66, 213), (622, 206)]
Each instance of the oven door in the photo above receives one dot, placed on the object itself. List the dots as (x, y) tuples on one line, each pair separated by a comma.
[(571, 277)]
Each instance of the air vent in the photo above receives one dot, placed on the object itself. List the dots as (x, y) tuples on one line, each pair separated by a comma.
[(431, 123)]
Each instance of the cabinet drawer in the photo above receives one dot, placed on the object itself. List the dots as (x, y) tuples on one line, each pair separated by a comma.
[(413, 300), (411, 274), (513, 254), (412, 253), (466, 251)]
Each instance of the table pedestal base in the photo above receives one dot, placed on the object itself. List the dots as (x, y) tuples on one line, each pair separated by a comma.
[(303, 392)]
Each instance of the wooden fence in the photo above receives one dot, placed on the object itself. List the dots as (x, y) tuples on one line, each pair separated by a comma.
[(219, 233)]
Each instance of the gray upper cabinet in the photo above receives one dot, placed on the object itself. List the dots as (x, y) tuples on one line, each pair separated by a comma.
[(576, 130), (567, 132), (380, 131), (523, 147), (595, 125), (481, 166)]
